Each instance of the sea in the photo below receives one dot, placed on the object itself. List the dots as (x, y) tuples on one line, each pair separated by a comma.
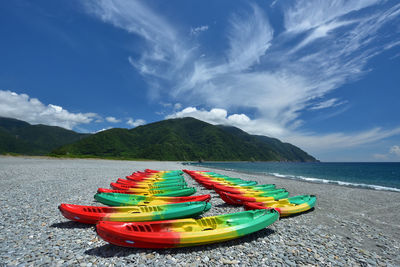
[(376, 176)]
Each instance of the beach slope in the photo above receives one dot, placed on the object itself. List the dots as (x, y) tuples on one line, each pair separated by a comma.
[(349, 226)]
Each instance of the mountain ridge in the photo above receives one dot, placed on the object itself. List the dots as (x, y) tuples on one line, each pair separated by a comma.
[(20, 137), (186, 139), (183, 139)]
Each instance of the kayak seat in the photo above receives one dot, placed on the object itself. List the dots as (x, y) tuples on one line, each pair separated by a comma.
[(93, 210), (139, 228), (150, 208), (209, 222)]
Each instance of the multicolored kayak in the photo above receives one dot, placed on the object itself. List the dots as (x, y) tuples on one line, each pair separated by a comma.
[(119, 186), (211, 184), (161, 193), (150, 184), (210, 179), (116, 199), (287, 206), (271, 195), (94, 214), (186, 232), (237, 189), (155, 179)]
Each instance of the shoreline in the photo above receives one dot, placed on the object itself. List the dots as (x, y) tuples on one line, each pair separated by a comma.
[(349, 226), (312, 180)]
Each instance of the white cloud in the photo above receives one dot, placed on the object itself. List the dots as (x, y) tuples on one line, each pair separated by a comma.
[(263, 72), (311, 142), (323, 45), (214, 116), (220, 116), (315, 143), (23, 107), (164, 53), (112, 119), (395, 150), (309, 14), (249, 39), (134, 123), (334, 102), (198, 30)]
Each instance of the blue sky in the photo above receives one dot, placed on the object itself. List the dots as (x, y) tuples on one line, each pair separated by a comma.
[(323, 75)]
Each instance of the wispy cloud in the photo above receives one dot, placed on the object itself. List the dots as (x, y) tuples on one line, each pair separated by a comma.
[(23, 107), (198, 30), (334, 141), (320, 46), (164, 53), (312, 14), (333, 102)]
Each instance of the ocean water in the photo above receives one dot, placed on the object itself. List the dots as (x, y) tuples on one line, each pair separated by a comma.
[(377, 176)]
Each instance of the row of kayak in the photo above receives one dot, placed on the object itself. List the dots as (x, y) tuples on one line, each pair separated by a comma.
[(253, 196), (155, 209), (162, 184), (140, 200)]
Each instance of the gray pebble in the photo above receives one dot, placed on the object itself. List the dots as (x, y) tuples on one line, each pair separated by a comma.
[(33, 232)]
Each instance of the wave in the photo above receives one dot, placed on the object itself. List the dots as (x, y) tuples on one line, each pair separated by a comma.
[(326, 181)]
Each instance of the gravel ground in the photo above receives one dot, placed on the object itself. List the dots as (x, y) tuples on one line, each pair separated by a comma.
[(349, 226)]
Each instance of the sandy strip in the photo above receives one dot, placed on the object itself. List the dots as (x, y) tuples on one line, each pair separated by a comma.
[(349, 226)]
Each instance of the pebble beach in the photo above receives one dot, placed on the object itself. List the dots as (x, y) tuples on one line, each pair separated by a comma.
[(348, 227)]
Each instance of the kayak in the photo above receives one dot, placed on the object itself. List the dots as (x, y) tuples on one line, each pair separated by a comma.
[(116, 199), (161, 193), (237, 189), (185, 232), (94, 214), (176, 172), (154, 179), (253, 192), (133, 188), (209, 180), (287, 206), (150, 183), (234, 199), (210, 184), (120, 186)]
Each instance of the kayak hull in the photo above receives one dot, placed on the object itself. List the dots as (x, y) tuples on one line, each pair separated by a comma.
[(175, 193), (186, 232), (117, 199), (237, 189), (286, 207), (239, 199), (94, 214)]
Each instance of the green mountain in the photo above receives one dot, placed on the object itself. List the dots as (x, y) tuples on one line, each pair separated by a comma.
[(183, 139), (23, 138)]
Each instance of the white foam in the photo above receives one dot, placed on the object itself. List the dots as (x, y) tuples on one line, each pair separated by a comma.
[(326, 181)]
